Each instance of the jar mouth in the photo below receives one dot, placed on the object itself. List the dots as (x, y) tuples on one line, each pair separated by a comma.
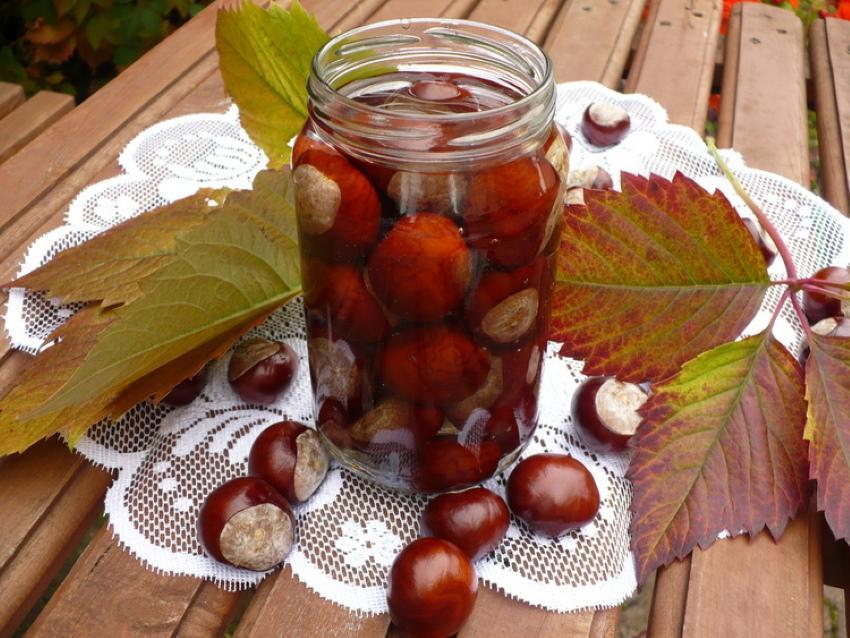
[(431, 45)]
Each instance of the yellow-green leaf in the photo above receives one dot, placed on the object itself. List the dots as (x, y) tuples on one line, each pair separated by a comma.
[(226, 273), (109, 266), (265, 58)]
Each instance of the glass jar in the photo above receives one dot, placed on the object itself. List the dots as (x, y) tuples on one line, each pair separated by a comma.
[(429, 183)]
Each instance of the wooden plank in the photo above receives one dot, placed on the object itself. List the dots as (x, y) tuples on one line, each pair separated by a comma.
[(108, 593), (667, 614), (26, 122), (39, 167), (764, 91), (530, 17), (771, 588), (40, 556), (54, 466), (829, 46), (592, 40), (211, 612), (417, 9), (283, 604), (11, 96), (674, 62), (496, 616)]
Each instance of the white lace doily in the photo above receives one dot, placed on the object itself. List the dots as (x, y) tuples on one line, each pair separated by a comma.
[(167, 460)]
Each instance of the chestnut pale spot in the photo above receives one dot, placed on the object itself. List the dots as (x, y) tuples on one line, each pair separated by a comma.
[(311, 464), (317, 199), (335, 367), (607, 114), (257, 538), (513, 317), (558, 156), (484, 397), (617, 404), (385, 424), (442, 193)]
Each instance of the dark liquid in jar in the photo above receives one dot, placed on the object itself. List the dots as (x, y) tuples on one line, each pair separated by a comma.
[(427, 294)]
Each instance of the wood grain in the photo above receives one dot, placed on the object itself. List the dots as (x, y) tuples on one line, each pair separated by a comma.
[(496, 616), (667, 614), (285, 606), (763, 106), (27, 121), (40, 556), (829, 46), (211, 611), (530, 17), (592, 40), (674, 62), (11, 95)]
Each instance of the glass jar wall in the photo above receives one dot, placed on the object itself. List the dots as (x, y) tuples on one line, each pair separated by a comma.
[(429, 186)]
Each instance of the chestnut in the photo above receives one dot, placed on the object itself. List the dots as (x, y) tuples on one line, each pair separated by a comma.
[(818, 306), (475, 520), (553, 493), (605, 124), (291, 458), (763, 241), (605, 410), (557, 147), (442, 193), (445, 464), (396, 423), (187, 390), (246, 523), (260, 369), (829, 327), (590, 177), (432, 589)]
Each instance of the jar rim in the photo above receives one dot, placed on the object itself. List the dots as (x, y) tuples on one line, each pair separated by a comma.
[(546, 71)]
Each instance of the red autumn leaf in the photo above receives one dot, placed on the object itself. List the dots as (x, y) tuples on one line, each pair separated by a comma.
[(652, 276), (828, 428), (721, 448)]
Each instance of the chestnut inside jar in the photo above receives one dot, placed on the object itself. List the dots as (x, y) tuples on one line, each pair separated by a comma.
[(429, 187)]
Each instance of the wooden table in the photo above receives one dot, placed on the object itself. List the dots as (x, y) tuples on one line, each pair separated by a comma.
[(51, 499)]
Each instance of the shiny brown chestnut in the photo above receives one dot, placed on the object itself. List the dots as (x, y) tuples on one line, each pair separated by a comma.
[(605, 124), (260, 369), (763, 241), (291, 458), (432, 589), (246, 523), (818, 306), (553, 493), (475, 520), (605, 411), (187, 390)]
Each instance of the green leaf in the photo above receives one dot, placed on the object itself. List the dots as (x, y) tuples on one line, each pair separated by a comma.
[(98, 28), (110, 266), (193, 277), (720, 448), (225, 273), (828, 427), (265, 58), (651, 277)]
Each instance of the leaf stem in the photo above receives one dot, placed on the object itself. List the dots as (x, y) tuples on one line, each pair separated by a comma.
[(769, 228), (787, 293)]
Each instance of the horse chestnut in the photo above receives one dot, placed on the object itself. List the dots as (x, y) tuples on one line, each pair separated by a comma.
[(432, 589), (475, 520), (442, 193), (446, 464), (482, 398), (335, 370), (340, 293), (260, 369), (336, 202), (605, 409), (435, 364), (187, 390), (553, 493), (246, 523), (504, 306), (605, 124), (397, 423), (513, 209), (818, 306), (763, 241), (290, 457), (558, 150), (421, 269)]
